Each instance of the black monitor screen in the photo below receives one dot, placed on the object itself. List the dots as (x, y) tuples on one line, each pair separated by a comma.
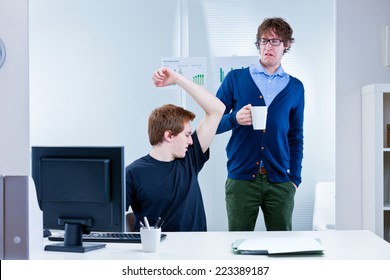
[(79, 190)]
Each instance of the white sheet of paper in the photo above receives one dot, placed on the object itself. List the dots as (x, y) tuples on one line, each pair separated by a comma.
[(280, 245)]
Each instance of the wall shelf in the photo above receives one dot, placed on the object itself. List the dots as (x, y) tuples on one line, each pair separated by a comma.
[(376, 159)]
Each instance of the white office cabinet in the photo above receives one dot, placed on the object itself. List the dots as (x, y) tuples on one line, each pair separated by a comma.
[(376, 159)]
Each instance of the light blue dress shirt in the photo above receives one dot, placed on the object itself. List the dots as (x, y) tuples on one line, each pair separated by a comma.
[(269, 85)]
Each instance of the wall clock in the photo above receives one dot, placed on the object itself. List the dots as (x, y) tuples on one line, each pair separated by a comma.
[(2, 53)]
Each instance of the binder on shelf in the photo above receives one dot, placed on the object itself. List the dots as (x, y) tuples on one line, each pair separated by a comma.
[(16, 217), (388, 136), (2, 217)]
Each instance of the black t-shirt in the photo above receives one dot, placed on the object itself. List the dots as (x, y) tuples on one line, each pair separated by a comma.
[(169, 190)]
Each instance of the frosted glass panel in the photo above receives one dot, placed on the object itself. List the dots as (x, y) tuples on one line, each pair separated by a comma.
[(91, 63)]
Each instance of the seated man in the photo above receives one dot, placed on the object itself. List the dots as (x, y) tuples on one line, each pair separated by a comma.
[(164, 183)]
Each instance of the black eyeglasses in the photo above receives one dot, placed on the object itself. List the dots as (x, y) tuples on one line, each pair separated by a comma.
[(273, 42)]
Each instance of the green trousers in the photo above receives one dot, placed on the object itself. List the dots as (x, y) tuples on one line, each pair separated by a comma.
[(244, 198)]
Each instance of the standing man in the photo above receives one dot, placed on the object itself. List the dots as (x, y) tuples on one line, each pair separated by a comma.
[(264, 166), (164, 183)]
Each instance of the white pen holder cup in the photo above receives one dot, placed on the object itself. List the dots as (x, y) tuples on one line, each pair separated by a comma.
[(259, 116), (150, 239)]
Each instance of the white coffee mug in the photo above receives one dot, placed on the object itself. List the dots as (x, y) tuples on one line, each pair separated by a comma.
[(259, 116)]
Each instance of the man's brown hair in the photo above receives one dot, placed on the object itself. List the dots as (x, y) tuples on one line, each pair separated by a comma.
[(167, 117), (278, 26)]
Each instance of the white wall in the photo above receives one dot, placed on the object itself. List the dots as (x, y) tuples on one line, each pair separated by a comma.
[(14, 107), (90, 68), (360, 59), (14, 99), (358, 62)]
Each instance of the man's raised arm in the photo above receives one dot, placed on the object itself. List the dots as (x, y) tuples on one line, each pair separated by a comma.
[(211, 105)]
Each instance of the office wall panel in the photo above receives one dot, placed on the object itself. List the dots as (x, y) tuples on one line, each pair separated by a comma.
[(91, 62)]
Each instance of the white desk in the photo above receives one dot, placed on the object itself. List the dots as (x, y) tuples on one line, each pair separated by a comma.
[(339, 245)]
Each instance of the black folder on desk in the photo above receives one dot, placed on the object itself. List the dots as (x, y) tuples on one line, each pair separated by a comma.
[(278, 246)]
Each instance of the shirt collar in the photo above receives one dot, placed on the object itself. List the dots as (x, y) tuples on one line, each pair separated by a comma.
[(258, 68)]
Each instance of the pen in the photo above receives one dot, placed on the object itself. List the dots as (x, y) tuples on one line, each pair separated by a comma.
[(156, 225), (141, 224), (146, 223), (161, 223)]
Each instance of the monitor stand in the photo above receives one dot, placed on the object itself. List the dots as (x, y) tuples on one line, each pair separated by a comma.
[(73, 241)]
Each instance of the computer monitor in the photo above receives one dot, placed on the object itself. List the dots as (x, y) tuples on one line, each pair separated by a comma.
[(79, 190)]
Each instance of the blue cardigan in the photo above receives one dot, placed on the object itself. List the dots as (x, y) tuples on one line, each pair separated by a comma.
[(279, 146)]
